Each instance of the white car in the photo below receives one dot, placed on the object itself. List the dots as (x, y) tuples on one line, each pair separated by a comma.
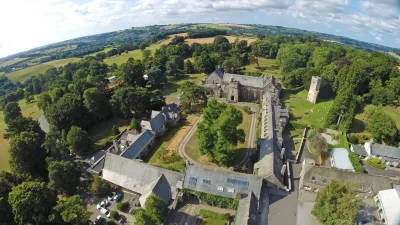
[(104, 203), (98, 219), (111, 196), (98, 206), (117, 197), (105, 212)]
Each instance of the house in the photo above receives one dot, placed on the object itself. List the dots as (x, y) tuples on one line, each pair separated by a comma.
[(313, 178), (172, 113), (141, 178), (387, 154), (236, 86), (388, 202), (140, 145), (157, 124), (340, 159)]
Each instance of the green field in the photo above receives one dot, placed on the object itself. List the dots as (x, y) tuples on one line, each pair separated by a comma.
[(104, 50), (174, 86), (103, 130), (28, 110), (192, 147), (267, 66), (11, 61), (119, 59), (62, 62), (394, 55), (359, 122), (24, 74)]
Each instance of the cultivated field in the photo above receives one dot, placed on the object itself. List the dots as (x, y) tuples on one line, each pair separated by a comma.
[(205, 40), (23, 74), (36, 61), (31, 110), (11, 61), (104, 50), (62, 62), (236, 25)]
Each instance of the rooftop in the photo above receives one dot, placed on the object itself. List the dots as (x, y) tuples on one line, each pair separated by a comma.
[(139, 144), (386, 151), (155, 123), (341, 159), (359, 150), (247, 210), (390, 202)]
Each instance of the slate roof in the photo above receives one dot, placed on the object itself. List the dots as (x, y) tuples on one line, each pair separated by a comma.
[(209, 180), (219, 73), (390, 202), (341, 159), (386, 151), (141, 142), (247, 210), (43, 123), (258, 82), (367, 183), (155, 123), (135, 176), (160, 188), (359, 150)]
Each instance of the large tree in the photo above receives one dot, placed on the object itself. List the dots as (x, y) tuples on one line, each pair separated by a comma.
[(99, 187), (132, 72), (11, 112), (143, 219), (31, 203), (193, 98), (27, 156), (156, 208), (131, 101), (55, 143), (79, 141), (97, 103), (23, 124), (382, 126), (44, 101), (337, 204), (218, 133), (73, 210), (7, 182), (63, 176)]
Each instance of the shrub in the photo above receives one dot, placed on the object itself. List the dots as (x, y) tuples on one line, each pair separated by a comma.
[(114, 215), (121, 206), (355, 161), (247, 109), (218, 201), (210, 214), (353, 139), (376, 163)]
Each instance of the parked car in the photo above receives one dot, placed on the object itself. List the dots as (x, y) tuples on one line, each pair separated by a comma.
[(105, 212), (98, 219), (121, 220), (117, 197), (111, 196), (104, 203), (98, 206)]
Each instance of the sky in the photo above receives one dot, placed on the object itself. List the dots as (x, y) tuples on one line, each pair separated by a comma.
[(26, 24)]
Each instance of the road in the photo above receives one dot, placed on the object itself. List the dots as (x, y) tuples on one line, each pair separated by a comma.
[(387, 173), (183, 143)]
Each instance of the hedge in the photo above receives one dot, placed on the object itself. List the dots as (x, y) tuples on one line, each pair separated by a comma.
[(122, 206), (218, 201), (210, 214), (355, 161)]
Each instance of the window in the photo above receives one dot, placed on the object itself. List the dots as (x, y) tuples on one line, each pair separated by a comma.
[(237, 181), (193, 181), (220, 188), (231, 190), (206, 181)]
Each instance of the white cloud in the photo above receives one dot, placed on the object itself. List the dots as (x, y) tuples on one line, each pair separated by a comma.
[(385, 9)]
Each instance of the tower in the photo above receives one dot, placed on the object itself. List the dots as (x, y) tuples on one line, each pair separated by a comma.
[(314, 89)]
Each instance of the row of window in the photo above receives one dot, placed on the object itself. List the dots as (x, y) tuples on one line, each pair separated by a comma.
[(193, 181)]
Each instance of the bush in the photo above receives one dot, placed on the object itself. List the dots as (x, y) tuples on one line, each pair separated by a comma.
[(114, 215), (210, 214), (376, 163), (111, 222), (121, 206), (355, 161), (247, 110), (353, 139), (218, 201)]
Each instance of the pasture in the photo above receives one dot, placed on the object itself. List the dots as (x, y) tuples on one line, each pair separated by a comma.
[(23, 74), (11, 61), (62, 62), (28, 110)]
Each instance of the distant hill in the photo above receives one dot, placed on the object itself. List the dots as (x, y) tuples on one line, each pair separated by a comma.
[(83, 46)]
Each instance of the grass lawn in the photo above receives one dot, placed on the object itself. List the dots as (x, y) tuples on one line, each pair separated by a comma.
[(11, 61), (192, 147), (359, 123), (267, 66), (119, 59), (304, 112), (62, 62), (212, 221), (24, 74), (174, 85), (101, 131), (31, 110)]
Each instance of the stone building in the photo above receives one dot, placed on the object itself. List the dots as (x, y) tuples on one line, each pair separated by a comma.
[(236, 87), (314, 89)]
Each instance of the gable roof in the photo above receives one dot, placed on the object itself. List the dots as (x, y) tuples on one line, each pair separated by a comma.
[(258, 82), (155, 123), (367, 183), (218, 72), (247, 210), (386, 151), (160, 188), (141, 142), (359, 150), (208, 180), (341, 159), (133, 175)]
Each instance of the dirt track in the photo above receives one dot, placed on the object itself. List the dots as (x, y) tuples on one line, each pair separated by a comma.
[(174, 144)]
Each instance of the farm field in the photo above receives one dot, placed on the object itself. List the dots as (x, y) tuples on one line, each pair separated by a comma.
[(175, 85), (208, 40), (11, 61), (104, 50), (29, 109), (62, 62), (192, 147), (267, 66), (35, 61), (24, 74), (359, 123)]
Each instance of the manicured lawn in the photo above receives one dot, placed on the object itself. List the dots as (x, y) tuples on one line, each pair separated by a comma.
[(101, 131), (192, 147), (24, 74), (28, 110), (62, 62), (359, 123), (174, 85), (11, 61), (267, 66), (212, 221)]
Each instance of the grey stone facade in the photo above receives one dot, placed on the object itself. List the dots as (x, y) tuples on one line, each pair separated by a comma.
[(314, 89)]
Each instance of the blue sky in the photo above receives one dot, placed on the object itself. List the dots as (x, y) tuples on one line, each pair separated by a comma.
[(32, 23)]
